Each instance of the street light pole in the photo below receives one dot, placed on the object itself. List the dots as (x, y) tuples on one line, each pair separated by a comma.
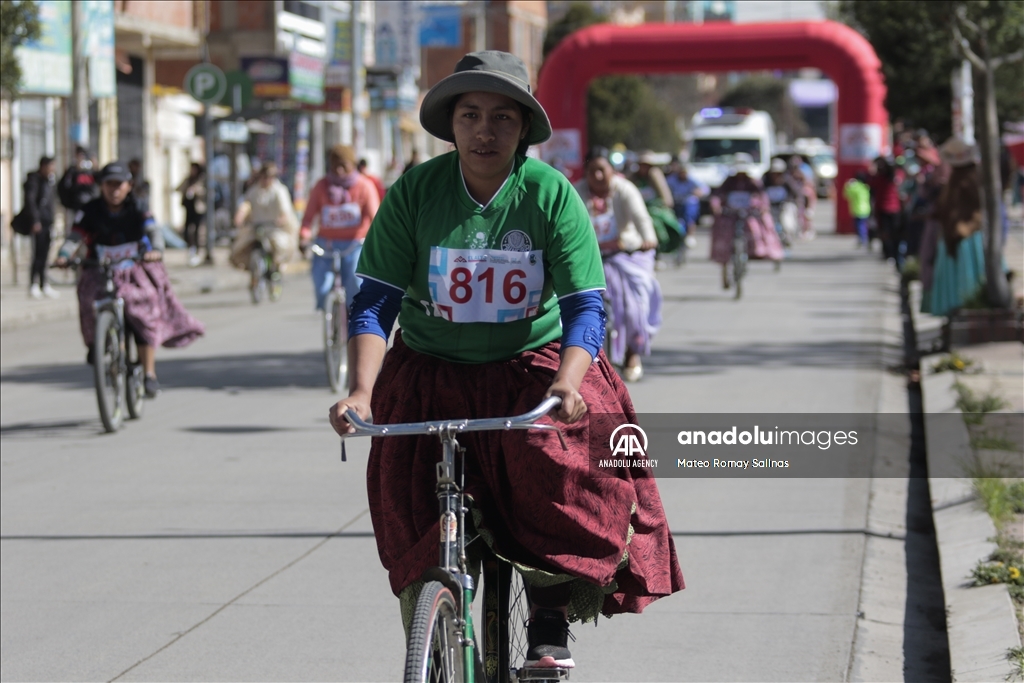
[(211, 204), (80, 78)]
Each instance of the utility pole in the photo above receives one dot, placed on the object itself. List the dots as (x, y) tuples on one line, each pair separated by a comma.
[(80, 78), (211, 190), (358, 81)]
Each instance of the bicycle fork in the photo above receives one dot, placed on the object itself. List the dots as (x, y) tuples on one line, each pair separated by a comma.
[(453, 545)]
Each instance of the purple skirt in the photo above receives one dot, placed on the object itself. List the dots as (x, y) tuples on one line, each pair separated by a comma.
[(764, 242), (150, 307)]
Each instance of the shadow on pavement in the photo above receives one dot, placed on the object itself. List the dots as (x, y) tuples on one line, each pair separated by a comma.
[(55, 428), (698, 361), (237, 429), (253, 371)]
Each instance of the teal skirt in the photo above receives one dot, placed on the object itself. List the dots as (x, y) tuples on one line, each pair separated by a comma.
[(956, 280)]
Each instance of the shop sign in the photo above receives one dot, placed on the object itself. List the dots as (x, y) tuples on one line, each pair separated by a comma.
[(98, 33), (269, 76), (46, 62), (306, 78), (441, 26)]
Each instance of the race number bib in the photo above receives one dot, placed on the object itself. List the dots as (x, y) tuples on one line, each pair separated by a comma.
[(607, 231), (341, 216), (484, 285), (776, 194), (119, 254), (738, 200)]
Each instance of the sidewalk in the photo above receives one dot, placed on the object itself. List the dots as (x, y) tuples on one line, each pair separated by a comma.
[(980, 621), (18, 310)]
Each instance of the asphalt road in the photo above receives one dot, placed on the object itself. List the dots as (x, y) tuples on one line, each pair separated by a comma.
[(221, 538)]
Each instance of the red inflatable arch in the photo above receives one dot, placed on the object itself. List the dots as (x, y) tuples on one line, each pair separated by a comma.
[(839, 51)]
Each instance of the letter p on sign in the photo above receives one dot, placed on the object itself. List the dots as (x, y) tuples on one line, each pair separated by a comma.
[(206, 83)]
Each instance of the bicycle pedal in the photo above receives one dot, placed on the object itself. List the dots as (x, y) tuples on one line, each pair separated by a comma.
[(538, 674)]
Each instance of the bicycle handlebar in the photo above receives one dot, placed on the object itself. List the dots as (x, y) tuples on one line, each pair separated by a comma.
[(450, 427)]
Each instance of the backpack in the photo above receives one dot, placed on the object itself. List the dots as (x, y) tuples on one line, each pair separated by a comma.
[(666, 227), (72, 193), (22, 223)]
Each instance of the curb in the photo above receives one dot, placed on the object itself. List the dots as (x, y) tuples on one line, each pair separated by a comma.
[(980, 620)]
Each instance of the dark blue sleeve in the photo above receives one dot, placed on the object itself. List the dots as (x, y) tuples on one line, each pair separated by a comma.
[(374, 309), (583, 320)]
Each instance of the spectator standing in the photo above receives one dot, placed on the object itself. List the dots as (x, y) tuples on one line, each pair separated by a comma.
[(377, 182), (193, 198), (39, 206), (858, 196), (140, 186), (887, 206)]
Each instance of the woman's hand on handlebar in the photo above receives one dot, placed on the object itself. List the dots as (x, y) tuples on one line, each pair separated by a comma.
[(152, 256), (60, 262), (358, 403), (573, 407)]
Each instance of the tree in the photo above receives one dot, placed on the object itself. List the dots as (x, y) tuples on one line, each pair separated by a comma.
[(580, 15), (625, 109), (990, 25), (19, 22), (768, 94), (621, 108), (913, 40)]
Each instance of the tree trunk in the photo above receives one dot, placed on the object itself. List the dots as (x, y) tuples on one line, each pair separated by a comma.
[(987, 124)]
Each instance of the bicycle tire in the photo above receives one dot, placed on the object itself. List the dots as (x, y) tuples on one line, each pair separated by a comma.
[(257, 270), (739, 264), (336, 340), (435, 651), (506, 611), (135, 379), (275, 283), (108, 370)]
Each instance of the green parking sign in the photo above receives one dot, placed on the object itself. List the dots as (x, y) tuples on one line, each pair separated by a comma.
[(206, 83)]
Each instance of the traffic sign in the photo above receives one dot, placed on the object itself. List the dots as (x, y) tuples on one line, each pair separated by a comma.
[(206, 82), (239, 91)]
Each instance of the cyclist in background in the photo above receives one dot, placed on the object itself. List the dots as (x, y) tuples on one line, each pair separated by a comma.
[(266, 202), (151, 310), (627, 241), (763, 241), (343, 204), (492, 262)]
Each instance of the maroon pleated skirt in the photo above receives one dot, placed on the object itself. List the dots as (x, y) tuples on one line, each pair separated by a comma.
[(544, 507)]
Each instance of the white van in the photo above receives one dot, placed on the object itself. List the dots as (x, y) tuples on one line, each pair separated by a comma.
[(717, 134)]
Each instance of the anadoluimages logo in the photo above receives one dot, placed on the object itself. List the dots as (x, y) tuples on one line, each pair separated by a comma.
[(626, 444)]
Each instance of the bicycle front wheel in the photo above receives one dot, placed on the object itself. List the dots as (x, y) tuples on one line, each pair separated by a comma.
[(135, 388), (336, 340), (257, 273), (739, 263), (434, 654), (108, 370)]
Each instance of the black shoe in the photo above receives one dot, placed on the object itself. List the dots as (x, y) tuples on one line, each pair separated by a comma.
[(152, 387), (548, 635), (90, 357)]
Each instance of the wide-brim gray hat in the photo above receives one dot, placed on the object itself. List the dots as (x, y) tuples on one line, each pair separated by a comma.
[(489, 71)]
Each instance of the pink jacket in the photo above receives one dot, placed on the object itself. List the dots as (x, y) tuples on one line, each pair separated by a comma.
[(343, 214)]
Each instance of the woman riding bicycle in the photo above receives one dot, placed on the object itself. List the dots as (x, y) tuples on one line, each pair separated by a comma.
[(266, 203), (627, 242), (151, 310), (344, 203), (491, 259), (762, 240)]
